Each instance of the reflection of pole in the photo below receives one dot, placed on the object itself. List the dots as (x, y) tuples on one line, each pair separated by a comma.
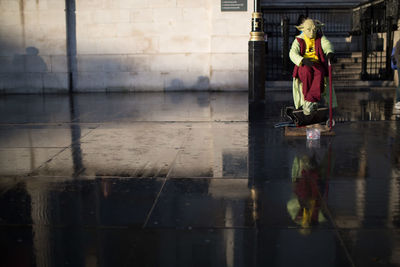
[(71, 42), (75, 137), (256, 56)]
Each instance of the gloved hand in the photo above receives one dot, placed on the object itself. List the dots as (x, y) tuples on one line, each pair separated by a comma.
[(307, 62), (331, 57)]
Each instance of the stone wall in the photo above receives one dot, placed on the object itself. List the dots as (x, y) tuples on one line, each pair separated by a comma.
[(32, 46), (124, 45), (302, 3)]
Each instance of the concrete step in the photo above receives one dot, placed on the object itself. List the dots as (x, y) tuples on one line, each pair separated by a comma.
[(336, 82), (347, 76), (348, 60), (359, 83), (347, 71), (353, 54)]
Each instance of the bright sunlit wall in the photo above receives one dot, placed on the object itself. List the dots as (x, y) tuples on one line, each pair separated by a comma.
[(124, 45)]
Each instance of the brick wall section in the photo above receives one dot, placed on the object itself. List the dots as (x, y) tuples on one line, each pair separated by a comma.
[(124, 45)]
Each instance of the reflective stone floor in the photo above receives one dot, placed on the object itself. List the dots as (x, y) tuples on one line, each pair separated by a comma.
[(183, 179)]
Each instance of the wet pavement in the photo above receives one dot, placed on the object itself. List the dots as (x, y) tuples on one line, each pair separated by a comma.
[(183, 179)]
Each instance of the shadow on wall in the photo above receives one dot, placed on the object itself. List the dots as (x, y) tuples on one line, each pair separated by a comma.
[(202, 83), (23, 73), (30, 62)]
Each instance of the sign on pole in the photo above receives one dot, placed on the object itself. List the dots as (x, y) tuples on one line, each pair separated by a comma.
[(233, 5)]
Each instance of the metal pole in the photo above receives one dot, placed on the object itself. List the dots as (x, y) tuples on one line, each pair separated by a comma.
[(71, 42), (389, 47), (364, 30), (285, 44), (256, 57), (257, 6)]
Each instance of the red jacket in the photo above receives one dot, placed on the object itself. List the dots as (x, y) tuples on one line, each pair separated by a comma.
[(319, 51)]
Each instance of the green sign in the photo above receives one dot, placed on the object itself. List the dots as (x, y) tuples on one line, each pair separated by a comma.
[(233, 5)]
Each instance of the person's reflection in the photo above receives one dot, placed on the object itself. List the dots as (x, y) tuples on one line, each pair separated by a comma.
[(309, 177), (106, 187)]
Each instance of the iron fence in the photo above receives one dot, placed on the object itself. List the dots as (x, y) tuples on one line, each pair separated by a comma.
[(280, 31)]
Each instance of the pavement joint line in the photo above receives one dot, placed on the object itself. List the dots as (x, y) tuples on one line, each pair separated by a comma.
[(31, 173), (182, 146), (336, 228), (154, 205)]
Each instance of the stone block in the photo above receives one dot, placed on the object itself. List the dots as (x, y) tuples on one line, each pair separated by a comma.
[(9, 32), (12, 46), (192, 3), (90, 82), (199, 15), (12, 64), (111, 4), (9, 6), (148, 81), (59, 64), (86, 46), (145, 29), (180, 81), (9, 18), (129, 45), (133, 4), (53, 31), (137, 63), (167, 15), (90, 63), (55, 4), (229, 44), (14, 80), (119, 81), (229, 61), (141, 15), (36, 63), (101, 30), (189, 27), (169, 62), (161, 3), (51, 46), (83, 17), (198, 62), (20, 83), (33, 81), (184, 44), (47, 17), (110, 16), (35, 5), (123, 30), (89, 4), (229, 80), (231, 27), (114, 63), (55, 82)]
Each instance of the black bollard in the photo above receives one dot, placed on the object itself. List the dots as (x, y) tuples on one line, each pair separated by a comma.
[(256, 57), (256, 66)]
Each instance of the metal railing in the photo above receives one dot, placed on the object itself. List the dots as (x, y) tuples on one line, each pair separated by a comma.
[(280, 31)]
